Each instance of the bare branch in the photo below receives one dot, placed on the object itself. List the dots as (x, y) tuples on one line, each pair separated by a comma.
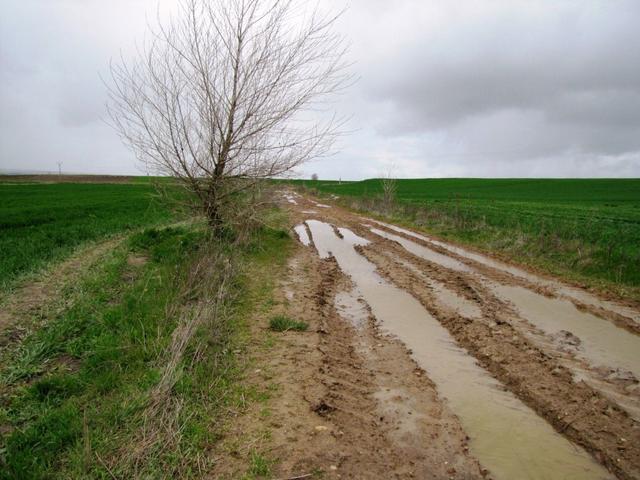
[(230, 89)]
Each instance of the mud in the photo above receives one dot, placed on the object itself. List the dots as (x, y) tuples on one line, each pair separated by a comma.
[(350, 402), (422, 363), (601, 343), (624, 315), (506, 436)]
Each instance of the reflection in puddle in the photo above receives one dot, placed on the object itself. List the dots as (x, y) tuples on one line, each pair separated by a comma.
[(301, 231), (506, 436)]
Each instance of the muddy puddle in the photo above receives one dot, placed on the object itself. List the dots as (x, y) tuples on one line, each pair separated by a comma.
[(349, 306), (303, 236), (600, 342), (396, 403), (569, 292), (447, 298), (507, 437), (424, 252)]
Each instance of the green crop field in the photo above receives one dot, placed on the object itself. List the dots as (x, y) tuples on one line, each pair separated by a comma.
[(128, 366), (587, 227), (43, 222)]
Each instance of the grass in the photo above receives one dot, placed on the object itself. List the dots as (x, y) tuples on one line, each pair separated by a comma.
[(260, 466), (587, 229), (84, 395), (281, 323), (43, 223)]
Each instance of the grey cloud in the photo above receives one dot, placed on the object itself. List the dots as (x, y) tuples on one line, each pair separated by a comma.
[(448, 88), (571, 73)]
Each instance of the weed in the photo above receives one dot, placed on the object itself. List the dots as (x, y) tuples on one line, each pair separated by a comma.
[(281, 323), (260, 466)]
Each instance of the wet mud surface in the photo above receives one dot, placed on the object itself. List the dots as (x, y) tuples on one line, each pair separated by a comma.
[(425, 360)]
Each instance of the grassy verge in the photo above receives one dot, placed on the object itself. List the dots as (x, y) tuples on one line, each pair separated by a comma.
[(584, 230), (42, 223), (133, 379)]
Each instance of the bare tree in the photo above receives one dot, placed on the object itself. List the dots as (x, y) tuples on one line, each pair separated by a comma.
[(314, 177), (227, 93), (389, 187)]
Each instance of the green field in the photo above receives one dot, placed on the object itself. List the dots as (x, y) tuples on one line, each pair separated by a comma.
[(588, 228), (44, 222), (131, 369)]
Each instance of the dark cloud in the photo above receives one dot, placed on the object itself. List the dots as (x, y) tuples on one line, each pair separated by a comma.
[(491, 88), (516, 79)]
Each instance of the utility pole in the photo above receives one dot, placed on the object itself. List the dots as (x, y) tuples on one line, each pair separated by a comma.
[(60, 169)]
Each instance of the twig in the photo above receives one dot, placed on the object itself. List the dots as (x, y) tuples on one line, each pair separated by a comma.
[(300, 477)]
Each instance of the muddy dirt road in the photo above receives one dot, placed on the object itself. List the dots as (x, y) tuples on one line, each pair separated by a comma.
[(461, 366)]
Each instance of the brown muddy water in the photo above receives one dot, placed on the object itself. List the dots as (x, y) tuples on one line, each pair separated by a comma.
[(425, 252), (507, 437), (350, 306), (602, 343), (569, 292)]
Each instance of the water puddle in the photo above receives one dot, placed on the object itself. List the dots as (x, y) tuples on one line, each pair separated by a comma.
[(569, 292), (506, 436), (289, 198), (445, 296), (465, 253), (349, 307), (601, 342), (301, 231), (424, 252)]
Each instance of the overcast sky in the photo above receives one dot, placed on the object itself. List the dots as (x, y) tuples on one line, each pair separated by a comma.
[(446, 88)]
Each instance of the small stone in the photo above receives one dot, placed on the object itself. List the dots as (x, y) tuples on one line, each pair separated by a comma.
[(333, 467), (321, 428)]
